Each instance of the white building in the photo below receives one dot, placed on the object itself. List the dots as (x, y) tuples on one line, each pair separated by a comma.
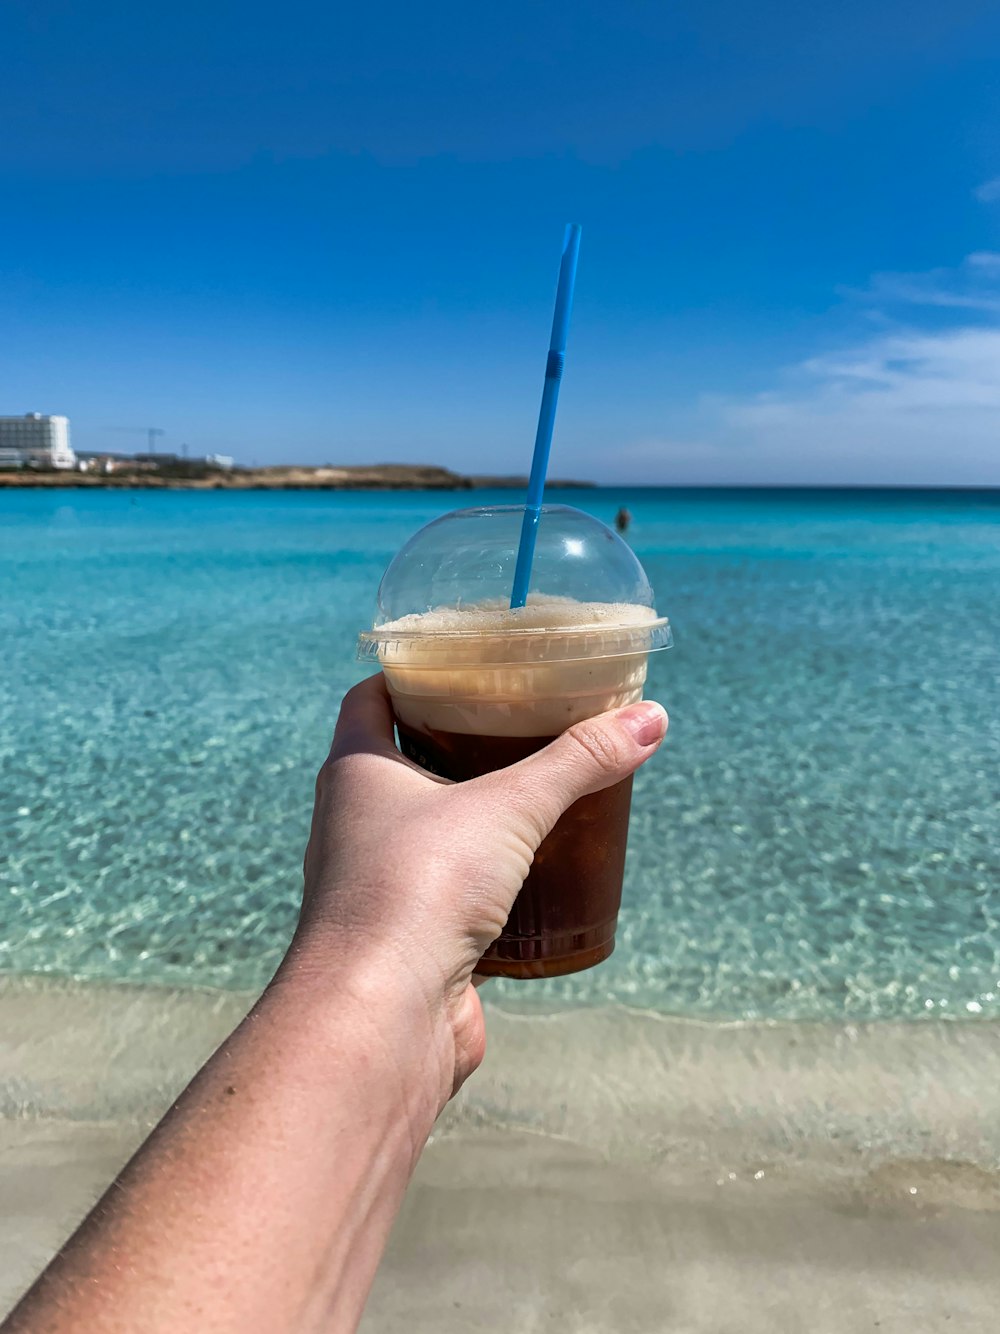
[(35, 441)]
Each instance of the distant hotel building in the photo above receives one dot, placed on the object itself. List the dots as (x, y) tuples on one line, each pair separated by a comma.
[(35, 441)]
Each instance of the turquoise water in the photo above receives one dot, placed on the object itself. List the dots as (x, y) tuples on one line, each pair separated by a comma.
[(820, 837)]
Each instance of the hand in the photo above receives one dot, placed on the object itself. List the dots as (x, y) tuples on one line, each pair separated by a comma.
[(414, 876), (264, 1198)]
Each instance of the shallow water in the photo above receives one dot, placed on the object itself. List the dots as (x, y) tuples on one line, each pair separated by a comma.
[(820, 837), (813, 1101)]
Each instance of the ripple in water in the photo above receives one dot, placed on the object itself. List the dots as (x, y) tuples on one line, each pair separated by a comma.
[(819, 838)]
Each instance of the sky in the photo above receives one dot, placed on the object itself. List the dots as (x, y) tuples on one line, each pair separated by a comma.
[(328, 233)]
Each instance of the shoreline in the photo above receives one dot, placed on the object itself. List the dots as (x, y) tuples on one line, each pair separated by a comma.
[(827, 1096), (391, 477), (606, 1170), (177, 477), (607, 1167)]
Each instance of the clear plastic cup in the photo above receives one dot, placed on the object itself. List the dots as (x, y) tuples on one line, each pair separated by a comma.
[(476, 686)]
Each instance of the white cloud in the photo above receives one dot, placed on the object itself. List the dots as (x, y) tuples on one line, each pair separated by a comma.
[(988, 191), (971, 286), (901, 408), (916, 403)]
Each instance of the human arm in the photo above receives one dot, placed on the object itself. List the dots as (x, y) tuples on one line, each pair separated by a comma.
[(262, 1202)]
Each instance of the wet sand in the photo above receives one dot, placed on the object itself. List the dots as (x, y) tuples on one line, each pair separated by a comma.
[(605, 1171)]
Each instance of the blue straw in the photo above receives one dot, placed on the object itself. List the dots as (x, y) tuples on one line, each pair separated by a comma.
[(546, 415)]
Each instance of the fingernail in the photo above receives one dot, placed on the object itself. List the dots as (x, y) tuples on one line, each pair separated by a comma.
[(646, 721)]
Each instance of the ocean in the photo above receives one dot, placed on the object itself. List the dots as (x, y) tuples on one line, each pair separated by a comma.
[(819, 839)]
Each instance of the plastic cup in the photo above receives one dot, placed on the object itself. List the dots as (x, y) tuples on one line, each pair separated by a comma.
[(476, 685)]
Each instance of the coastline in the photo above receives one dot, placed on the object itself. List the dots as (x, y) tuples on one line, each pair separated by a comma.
[(376, 477), (405, 477), (632, 1169)]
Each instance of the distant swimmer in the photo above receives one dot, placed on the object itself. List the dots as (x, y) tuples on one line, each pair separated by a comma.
[(622, 520)]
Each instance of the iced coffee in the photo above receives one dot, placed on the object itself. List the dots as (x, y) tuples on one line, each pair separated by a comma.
[(476, 686)]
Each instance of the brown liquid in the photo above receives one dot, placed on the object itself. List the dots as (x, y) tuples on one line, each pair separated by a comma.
[(563, 920)]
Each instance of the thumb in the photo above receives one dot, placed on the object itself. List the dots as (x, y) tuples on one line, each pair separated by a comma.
[(591, 755)]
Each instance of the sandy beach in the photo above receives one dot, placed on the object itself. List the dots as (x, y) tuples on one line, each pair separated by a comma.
[(605, 1171)]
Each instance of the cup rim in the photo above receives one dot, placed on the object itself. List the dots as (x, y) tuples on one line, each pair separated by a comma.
[(516, 631), (625, 641)]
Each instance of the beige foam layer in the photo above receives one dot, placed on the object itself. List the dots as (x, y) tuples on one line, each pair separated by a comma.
[(543, 612), (480, 670)]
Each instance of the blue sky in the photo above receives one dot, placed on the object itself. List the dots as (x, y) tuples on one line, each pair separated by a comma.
[(318, 234)]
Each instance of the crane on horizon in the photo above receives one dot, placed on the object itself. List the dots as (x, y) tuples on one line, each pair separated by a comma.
[(150, 432)]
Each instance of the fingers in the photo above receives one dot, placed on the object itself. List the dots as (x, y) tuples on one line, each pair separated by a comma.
[(365, 722), (588, 757)]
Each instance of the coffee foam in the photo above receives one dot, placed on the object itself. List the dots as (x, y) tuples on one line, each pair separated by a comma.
[(543, 612), (479, 669)]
